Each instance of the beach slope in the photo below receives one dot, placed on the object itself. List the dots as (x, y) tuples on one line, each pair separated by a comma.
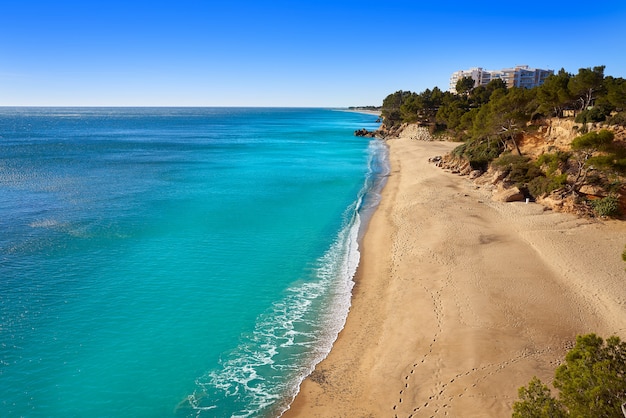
[(460, 300)]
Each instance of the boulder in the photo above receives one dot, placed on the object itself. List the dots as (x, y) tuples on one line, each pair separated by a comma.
[(498, 176), (589, 189), (509, 195), (474, 174)]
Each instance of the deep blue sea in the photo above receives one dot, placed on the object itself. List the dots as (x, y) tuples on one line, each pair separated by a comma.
[(175, 262)]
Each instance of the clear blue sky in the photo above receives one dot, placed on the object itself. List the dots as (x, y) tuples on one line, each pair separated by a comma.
[(285, 53)]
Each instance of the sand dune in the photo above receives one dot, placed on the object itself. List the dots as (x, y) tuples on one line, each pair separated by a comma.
[(460, 300)]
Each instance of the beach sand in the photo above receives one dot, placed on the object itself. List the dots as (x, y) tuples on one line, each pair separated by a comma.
[(460, 300)]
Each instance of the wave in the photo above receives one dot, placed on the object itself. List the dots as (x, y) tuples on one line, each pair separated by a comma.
[(262, 375), (44, 223)]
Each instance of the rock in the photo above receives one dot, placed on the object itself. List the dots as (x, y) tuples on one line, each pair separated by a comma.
[(363, 132), (552, 202), (509, 195), (498, 177), (474, 174), (589, 189), (416, 132)]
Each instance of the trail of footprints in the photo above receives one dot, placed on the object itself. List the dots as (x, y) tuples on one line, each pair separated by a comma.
[(439, 397), (492, 369), (438, 400), (438, 310)]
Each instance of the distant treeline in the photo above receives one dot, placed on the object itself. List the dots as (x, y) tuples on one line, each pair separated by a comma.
[(372, 108)]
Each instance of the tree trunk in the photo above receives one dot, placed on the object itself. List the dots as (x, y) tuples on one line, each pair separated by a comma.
[(581, 175), (519, 152)]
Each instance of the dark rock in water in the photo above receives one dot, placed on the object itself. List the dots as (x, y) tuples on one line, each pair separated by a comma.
[(364, 132)]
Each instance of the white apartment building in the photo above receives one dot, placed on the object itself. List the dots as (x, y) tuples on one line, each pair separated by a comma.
[(518, 76)]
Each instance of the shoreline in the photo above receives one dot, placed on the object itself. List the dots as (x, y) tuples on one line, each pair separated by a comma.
[(364, 111), (458, 300)]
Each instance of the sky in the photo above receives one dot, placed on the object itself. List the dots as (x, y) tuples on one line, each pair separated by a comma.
[(300, 53)]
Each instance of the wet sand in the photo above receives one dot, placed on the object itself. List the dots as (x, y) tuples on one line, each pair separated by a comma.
[(460, 300)]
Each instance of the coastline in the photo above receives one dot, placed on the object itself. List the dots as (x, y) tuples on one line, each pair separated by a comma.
[(364, 111), (459, 300)]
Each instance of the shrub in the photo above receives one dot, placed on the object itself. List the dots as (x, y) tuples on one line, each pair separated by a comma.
[(553, 178), (607, 206), (593, 140), (610, 162), (617, 119), (541, 186), (508, 160), (552, 162), (537, 402), (595, 114), (520, 170), (479, 152), (591, 383)]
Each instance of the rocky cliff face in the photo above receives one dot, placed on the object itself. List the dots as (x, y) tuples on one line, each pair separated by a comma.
[(410, 131), (557, 134), (551, 135)]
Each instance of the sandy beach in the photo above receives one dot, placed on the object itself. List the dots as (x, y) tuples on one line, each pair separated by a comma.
[(460, 300)]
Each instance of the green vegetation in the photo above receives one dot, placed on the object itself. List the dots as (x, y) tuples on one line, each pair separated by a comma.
[(607, 206), (478, 152), (593, 141), (598, 152), (536, 401), (594, 114), (538, 178), (405, 106), (519, 169), (370, 108), (591, 383), (490, 120), (497, 112), (552, 163), (465, 85)]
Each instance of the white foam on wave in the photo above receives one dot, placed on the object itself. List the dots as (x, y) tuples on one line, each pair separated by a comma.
[(44, 223), (288, 339), (263, 374)]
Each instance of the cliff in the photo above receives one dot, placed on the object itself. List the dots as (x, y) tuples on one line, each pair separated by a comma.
[(547, 137)]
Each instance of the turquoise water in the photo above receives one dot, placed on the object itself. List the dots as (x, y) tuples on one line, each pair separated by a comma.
[(161, 262)]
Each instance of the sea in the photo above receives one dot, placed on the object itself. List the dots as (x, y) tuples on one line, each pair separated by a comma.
[(176, 262)]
